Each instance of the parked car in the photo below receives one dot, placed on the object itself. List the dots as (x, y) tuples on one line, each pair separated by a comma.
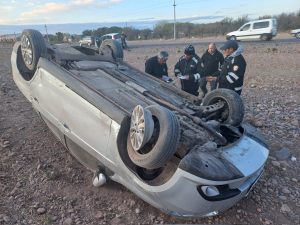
[(111, 36), (259, 29), (296, 33), (187, 157), (87, 40)]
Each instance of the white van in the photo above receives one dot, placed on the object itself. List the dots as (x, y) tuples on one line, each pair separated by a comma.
[(259, 29)]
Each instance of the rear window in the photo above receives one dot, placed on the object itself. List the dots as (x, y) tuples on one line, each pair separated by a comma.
[(260, 25)]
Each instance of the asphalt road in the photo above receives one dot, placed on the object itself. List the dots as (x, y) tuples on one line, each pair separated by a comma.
[(173, 43)]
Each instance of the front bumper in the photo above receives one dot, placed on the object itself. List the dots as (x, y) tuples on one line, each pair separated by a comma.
[(187, 194)]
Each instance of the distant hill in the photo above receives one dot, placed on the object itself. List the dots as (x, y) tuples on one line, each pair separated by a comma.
[(77, 28)]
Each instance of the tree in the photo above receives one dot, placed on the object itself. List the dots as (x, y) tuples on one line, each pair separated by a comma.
[(60, 36)]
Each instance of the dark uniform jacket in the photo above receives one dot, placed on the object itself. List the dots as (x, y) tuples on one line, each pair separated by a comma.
[(153, 67), (193, 69), (211, 62), (232, 72)]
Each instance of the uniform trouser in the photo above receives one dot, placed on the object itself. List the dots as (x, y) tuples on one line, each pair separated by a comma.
[(203, 83)]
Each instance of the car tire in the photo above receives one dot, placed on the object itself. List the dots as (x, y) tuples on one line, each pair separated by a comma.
[(234, 107), (33, 47), (163, 143), (264, 37), (232, 38), (297, 35), (113, 48)]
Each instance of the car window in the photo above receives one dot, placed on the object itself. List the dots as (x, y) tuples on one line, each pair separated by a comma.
[(260, 25), (246, 27)]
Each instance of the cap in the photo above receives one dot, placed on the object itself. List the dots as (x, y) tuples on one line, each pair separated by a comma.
[(230, 44), (163, 55), (189, 50)]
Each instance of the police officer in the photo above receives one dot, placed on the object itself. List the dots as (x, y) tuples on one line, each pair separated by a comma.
[(232, 71), (157, 65), (189, 69)]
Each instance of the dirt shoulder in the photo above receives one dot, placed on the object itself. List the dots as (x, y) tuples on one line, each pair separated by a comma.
[(40, 183)]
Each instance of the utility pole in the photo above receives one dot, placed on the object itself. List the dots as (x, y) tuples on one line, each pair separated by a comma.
[(174, 21), (47, 33)]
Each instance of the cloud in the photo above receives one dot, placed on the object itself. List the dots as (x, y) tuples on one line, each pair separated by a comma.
[(54, 7)]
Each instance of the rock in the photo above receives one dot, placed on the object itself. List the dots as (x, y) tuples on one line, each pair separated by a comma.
[(54, 218), (285, 208), (252, 85), (258, 123), (282, 197), (41, 211), (137, 211), (275, 163), (131, 203), (286, 190), (99, 215), (258, 209), (267, 221), (293, 159), (282, 154), (116, 221), (6, 219), (4, 143), (295, 122), (273, 181), (294, 179), (68, 221)]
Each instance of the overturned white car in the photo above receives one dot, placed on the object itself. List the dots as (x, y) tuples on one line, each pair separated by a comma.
[(185, 158)]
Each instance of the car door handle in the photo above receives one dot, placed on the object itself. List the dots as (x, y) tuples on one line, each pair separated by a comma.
[(66, 127)]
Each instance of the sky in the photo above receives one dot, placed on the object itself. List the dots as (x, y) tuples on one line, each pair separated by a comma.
[(16, 12)]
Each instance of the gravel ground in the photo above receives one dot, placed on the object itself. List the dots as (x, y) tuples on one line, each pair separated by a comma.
[(40, 183)]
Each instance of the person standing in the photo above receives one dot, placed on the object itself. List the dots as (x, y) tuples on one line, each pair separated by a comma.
[(189, 69), (231, 75), (157, 65), (212, 60), (123, 39)]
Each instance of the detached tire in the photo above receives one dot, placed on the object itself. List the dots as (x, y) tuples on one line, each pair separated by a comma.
[(233, 111), (113, 48), (33, 47), (163, 143)]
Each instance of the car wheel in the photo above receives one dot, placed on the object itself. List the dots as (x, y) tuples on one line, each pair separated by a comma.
[(33, 47), (163, 142), (232, 38), (141, 127), (112, 48), (264, 37), (298, 35), (233, 111)]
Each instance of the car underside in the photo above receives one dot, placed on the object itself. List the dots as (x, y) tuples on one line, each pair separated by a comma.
[(186, 156)]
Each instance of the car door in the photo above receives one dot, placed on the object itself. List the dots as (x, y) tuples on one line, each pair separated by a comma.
[(244, 32), (76, 118), (262, 27)]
